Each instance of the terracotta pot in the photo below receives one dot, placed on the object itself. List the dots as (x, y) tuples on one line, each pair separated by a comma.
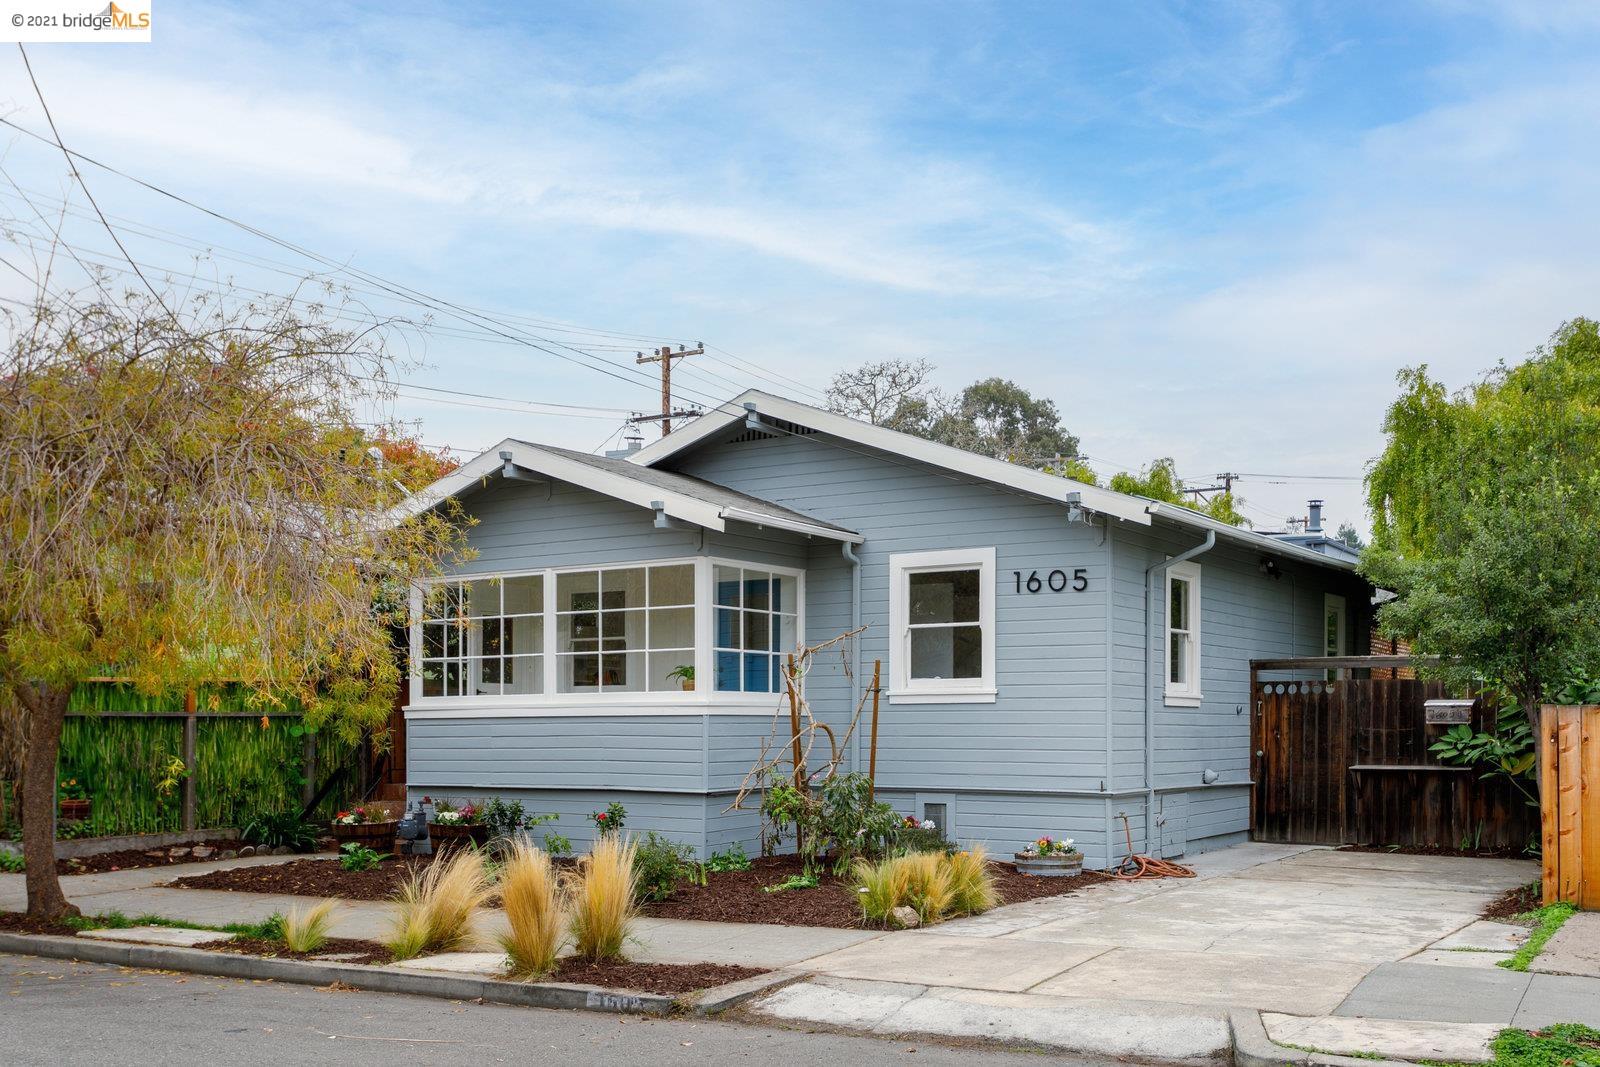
[(445, 833), (376, 835), (75, 809), (1064, 866), (688, 685)]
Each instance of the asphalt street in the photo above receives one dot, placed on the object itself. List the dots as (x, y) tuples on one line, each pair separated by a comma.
[(59, 1012)]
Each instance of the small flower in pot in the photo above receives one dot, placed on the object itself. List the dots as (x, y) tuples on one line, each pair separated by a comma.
[(684, 672), (74, 799), (1050, 857), (464, 823)]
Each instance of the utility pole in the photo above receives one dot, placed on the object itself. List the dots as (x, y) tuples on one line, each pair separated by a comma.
[(1201, 490), (664, 356)]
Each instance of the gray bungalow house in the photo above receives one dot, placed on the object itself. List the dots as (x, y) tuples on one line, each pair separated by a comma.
[(1055, 655)]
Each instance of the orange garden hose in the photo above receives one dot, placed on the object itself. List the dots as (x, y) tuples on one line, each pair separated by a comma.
[(1137, 866)]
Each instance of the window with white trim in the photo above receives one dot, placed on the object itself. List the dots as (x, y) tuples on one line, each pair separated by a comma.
[(942, 625), (624, 629), (1183, 634), (757, 626), (483, 637)]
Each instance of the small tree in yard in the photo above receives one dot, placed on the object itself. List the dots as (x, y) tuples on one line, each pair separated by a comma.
[(1486, 510), (179, 503)]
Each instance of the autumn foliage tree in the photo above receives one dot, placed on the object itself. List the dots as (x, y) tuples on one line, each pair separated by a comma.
[(178, 505)]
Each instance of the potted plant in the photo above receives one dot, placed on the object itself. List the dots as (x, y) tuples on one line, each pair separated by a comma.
[(1049, 857), (367, 825), (684, 672), (74, 799), (453, 824)]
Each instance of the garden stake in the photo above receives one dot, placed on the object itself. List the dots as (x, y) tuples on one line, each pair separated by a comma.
[(872, 750)]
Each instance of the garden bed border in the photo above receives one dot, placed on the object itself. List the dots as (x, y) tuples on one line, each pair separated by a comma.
[(383, 979), (78, 847)]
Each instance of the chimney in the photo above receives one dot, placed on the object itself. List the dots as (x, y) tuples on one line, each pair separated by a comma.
[(1314, 519)]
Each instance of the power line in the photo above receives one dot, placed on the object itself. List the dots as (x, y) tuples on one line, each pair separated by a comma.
[(73, 168)]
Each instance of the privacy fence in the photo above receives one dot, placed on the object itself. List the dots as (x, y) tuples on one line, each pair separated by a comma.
[(181, 761)]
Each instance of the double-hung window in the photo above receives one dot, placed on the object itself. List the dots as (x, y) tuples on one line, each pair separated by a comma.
[(757, 627), (624, 629), (483, 637), (1183, 635), (942, 626)]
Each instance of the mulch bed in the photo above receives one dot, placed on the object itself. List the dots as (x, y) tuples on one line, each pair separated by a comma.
[(740, 896), (369, 951), (130, 858), (311, 878), (17, 922), (663, 978), (1514, 902), (1440, 850)]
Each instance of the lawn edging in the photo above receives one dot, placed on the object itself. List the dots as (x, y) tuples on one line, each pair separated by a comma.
[(390, 980), (1253, 1048)]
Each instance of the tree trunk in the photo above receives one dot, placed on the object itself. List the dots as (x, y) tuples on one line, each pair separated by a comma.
[(47, 711)]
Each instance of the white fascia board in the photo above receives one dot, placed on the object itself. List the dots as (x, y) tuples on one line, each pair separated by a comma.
[(1200, 521), (982, 468), (756, 518), (560, 468)]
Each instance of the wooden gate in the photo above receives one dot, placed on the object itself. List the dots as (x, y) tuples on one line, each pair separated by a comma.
[(1569, 784), (1347, 762)]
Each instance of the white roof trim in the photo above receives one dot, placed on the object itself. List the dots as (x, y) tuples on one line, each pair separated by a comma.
[(560, 468), (756, 518), (1277, 546), (1037, 483)]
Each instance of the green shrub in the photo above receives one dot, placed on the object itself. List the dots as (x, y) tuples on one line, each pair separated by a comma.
[(1561, 1045), (557, 844), (358, 857), (659, 865), (280, 829), (734, 859), (11, 862)]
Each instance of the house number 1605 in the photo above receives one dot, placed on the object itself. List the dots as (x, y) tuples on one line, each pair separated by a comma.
[(1056, 581)]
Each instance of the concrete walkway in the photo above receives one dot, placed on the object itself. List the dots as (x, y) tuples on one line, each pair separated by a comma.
[(145, 891)]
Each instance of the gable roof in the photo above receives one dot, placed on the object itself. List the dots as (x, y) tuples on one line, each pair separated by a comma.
[(1124, 506), (677, 495)]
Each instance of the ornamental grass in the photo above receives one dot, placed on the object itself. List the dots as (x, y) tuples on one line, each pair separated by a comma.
[(436, 910), (972, 888), (880, 888), (530, 891), (603, 903), (306, 930), (928, 886)]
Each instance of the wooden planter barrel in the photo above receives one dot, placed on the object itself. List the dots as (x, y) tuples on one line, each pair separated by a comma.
[(447, 834), (1061, 866), (75, 809), (377, 835)]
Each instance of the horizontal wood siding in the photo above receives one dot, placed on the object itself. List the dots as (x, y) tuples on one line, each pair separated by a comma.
[(1047, 729), (680, 817), (640, 752)]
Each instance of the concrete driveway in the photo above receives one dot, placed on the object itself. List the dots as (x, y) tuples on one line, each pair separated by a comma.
[(1280, 928)]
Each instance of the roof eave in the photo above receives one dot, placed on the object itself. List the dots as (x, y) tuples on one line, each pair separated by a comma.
[(1198, 520)]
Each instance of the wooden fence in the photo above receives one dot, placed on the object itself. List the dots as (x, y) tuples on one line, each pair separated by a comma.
[(1569, 793), (1346, 761)]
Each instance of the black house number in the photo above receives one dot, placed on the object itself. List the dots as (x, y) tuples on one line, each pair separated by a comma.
[(1056, 581)]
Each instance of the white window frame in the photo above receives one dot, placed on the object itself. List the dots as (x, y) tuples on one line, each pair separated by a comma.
[(703, 699), (906, 690), (1187, 694), (1331, 603)]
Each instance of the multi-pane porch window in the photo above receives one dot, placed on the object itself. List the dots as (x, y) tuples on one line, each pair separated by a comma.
[(624, 629), (756, 627), (483, 637)]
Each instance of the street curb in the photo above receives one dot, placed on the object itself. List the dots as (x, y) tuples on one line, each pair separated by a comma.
[(355, 976), (720, 998), (1253, 1048)]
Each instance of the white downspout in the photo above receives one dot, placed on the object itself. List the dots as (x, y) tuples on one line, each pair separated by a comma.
[(855, 624), (1153, 689)]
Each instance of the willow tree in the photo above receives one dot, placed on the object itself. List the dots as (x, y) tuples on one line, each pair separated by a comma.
[(179, 505), (1486, 520)]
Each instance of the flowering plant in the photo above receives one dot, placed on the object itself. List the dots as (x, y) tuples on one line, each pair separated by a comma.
[(910, 823), (353, 817), (69, 789), (465, 815), (1049, 846), (609, 821)]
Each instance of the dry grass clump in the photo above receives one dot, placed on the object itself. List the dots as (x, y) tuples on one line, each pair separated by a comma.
[(530, 891), (307, 930), (971, 885), (603, 904), (932, 884), (436, 910)]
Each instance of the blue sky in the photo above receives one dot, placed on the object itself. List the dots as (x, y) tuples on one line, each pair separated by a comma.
[(1211, 231)]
